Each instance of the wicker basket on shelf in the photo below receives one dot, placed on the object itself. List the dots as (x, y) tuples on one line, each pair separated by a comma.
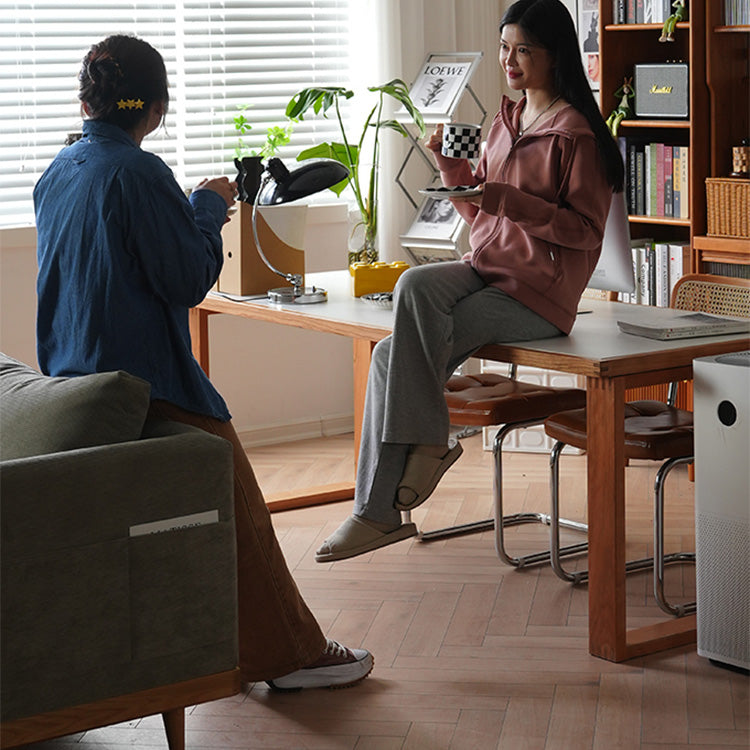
[(728, 207)]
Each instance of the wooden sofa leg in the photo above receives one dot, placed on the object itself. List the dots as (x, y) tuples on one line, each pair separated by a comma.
[(174, 726)]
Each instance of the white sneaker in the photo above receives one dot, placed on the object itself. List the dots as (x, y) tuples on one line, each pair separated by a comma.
[(338, 666)]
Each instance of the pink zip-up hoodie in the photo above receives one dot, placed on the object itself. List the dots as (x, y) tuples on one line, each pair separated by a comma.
[(538, 233)]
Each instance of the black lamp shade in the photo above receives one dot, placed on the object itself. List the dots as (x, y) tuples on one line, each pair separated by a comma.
[(310, 178)]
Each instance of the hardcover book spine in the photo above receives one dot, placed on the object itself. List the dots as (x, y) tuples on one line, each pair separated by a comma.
[(635, 295), (676, 182), (640, 167), (651, 255), (618, 11), (668, 182), (630, 11), (659, 207), (651, 177), (632, 178), (685, 182), (661, 252), (679, 263)]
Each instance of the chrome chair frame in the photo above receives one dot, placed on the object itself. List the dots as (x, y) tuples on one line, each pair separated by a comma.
[(499, 521)]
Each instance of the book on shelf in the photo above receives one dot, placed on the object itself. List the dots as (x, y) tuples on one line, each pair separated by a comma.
[(668, 181), (656, 268), (682, 325), (643, 11), (736, 12), (656, 178), (679, 262)]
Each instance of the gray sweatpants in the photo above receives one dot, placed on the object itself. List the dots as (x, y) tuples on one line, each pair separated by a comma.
[(443, 313)]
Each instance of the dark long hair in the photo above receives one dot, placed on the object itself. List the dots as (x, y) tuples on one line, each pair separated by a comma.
[(548, 23), (116, 75)]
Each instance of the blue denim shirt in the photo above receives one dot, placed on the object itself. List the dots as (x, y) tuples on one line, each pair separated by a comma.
[(123, 255)]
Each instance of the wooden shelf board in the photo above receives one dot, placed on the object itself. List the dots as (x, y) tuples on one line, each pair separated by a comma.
[(637, 219), (709, 242), (643, 26), (732, 29), (679, 124)]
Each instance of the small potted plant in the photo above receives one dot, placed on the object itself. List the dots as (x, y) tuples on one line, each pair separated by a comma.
[(280, 228), (349, 152), (249, 162)]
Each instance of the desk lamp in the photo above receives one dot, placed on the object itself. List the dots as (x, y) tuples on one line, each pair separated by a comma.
[(279, 185)]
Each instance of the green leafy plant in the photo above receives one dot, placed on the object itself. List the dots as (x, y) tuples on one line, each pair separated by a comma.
[(276, 137), (349, 151)]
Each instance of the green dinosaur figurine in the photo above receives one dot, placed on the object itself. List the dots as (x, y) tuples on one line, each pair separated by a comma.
[(680, 14), (624, 110)]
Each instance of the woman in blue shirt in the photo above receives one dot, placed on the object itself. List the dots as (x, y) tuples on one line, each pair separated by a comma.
[(123, 255)]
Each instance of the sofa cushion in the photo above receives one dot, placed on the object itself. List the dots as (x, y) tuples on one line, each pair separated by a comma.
[(41, 414)]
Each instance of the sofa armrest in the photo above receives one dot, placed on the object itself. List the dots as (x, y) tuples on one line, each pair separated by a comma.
[(118, 570)]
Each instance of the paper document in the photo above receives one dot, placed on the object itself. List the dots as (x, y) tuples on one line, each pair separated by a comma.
[(686, 325)]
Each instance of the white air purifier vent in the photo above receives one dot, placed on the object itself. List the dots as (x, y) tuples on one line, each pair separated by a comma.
[(722, 507), (723, 586)]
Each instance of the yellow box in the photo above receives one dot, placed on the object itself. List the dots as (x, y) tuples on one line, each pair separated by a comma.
[(369, 278)]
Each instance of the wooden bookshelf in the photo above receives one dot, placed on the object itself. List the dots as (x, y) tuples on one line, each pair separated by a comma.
[(621, 47)]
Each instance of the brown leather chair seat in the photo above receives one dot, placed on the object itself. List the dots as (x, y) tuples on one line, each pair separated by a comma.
[(489, 399), (653, 430)]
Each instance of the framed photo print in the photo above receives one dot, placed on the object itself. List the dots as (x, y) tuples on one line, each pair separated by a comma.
[(587, 18), (440, 83), (421, 255), (436, 219), (434, 234)]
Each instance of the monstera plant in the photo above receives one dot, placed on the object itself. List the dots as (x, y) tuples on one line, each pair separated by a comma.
[(364, 183)]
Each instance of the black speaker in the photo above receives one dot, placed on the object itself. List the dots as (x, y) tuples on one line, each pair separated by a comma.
[(661, 90)]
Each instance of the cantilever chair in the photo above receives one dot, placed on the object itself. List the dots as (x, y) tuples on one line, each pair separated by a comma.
[(653, 430), (488, 400)]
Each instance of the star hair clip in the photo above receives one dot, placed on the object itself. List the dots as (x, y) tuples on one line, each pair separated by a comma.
[(130, 104)]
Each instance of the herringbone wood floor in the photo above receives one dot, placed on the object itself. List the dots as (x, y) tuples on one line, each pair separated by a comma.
[(469, 653)]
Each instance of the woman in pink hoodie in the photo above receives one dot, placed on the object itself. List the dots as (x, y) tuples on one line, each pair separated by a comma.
[(546, 179)]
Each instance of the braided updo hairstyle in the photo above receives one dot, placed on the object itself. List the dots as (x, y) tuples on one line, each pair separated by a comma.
[(119, 80)]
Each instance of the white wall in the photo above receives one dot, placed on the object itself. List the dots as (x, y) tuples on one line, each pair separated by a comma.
[(280, 383)]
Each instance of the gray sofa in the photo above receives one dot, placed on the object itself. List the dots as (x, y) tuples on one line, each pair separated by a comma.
[(117, 558)]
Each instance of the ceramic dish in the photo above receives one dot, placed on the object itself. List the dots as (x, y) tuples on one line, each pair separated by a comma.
[(457, 191), (379, 299)]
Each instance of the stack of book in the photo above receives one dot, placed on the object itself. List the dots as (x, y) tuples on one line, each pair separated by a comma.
[(737, 12), (657, 178), (657, 266), (642, 11)]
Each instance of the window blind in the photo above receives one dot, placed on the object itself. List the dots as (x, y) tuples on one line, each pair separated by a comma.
[(220, 55)]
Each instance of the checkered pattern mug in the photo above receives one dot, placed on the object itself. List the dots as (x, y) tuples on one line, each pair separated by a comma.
[(461, 140)]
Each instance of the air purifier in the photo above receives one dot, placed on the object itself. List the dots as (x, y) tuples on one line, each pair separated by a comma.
[(722, 506)]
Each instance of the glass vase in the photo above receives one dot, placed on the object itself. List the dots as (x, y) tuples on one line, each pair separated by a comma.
[(362, 240)]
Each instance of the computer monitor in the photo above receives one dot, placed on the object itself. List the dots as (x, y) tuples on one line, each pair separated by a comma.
[(614, 271)]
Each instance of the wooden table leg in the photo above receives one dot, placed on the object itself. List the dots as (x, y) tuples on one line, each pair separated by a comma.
[(606, 508), (362, 356), (198, 322), (609, 636), (174, 726)]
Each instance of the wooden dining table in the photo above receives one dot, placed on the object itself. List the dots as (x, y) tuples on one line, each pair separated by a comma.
[(610, 361)]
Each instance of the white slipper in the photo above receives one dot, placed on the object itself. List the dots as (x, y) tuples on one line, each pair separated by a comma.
[(355, 537), (421, 475)]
